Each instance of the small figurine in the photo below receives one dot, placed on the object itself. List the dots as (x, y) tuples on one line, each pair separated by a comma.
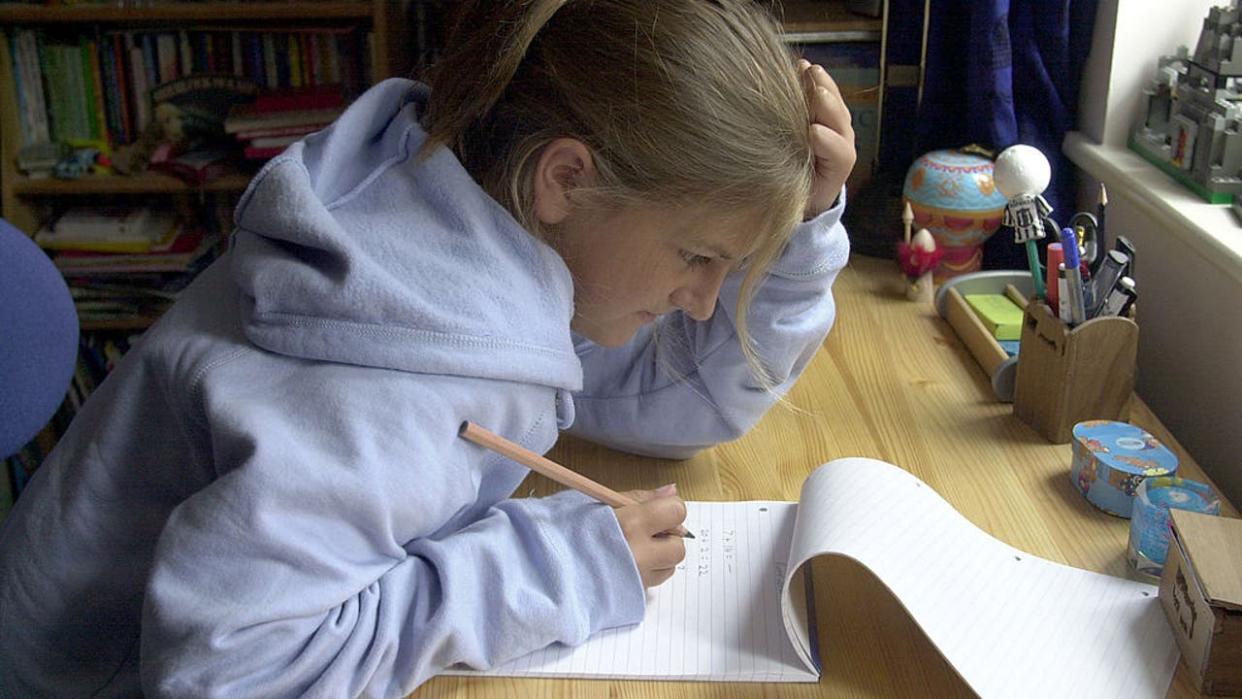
[(1022, 174), (918, 259)]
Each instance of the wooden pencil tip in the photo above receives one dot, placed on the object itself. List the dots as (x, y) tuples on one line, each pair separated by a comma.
[(688, 535), (465, 425)]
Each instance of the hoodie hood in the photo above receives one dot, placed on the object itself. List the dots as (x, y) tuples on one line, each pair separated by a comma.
[(350, 249)]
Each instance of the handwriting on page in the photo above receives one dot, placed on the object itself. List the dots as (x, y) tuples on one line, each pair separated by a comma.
[(717, 618), (702, 563)]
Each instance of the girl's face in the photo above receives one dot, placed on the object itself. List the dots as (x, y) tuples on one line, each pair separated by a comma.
[(633, 266)]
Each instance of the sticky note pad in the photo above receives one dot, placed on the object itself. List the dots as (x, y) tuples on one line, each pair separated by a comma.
[(1000, 316)]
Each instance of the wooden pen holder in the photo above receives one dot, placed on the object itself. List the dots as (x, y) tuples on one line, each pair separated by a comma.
[(1067, 375)]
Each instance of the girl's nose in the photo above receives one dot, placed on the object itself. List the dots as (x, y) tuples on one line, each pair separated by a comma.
[(698, 299)]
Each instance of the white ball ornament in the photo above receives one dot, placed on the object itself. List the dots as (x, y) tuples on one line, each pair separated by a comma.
[(1021, 170)]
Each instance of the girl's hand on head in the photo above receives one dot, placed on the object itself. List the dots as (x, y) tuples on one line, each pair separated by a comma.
[(644, 525), (832, 137)]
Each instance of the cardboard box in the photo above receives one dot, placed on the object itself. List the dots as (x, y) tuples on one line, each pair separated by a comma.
[(1201, 593)]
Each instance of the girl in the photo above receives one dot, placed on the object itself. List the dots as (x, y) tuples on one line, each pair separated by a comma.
[(615, 215)]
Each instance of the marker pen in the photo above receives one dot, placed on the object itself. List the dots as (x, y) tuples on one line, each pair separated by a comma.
[(1073, 279), (1063, 309), (1053, 281), (1114, 268), (1123, 244), (1120, 298), (1088, 287)]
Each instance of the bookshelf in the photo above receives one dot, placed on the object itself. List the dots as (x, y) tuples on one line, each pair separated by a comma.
[(26, 202), (350, 43)]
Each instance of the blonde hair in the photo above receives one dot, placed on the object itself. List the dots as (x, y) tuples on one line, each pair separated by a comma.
[(687, 102)]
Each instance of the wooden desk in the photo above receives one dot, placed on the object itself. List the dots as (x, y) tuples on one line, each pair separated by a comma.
[(894, 383)]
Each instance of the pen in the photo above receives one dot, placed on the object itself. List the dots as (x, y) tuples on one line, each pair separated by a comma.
[(1114, 268), (1073, 277), (1120, 298), (1123, 244), (1101, 233), (1088, 283), (1055, 258), (551, 469), (1063, 311)]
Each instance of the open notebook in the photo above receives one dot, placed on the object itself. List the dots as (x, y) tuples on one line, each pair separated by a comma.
[(1011, 624)]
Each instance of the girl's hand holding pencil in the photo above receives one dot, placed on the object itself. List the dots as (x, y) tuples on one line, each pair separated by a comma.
[(646, 525), (651, 520)]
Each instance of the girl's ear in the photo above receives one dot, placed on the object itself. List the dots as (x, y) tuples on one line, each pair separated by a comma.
[(564, 165)]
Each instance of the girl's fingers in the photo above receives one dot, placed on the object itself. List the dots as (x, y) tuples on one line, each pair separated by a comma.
[(666, 552), (664, 514), (815, 76), (640, 495), (832, 145), (828, 108)]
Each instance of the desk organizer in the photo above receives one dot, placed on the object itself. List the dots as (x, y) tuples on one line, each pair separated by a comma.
[(1069, 375), (951, 305)]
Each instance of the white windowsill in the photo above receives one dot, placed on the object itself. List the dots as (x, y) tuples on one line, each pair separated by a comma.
[(1210, 229)]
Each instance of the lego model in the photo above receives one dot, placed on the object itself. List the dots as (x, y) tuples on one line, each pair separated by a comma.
[(1191, 111)]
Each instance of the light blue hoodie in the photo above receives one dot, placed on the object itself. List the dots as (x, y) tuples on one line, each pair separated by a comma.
[(268, 497)]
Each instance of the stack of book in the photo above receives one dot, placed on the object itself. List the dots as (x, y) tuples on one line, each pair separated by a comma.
[(125, 264), (278, 118), (97, 86)]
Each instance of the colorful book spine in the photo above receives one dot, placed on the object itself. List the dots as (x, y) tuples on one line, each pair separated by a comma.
[(166, 57), (270, 68), (185, 54), (120, 66), (110, 89), (239, 64), (151, 63), (9, 63), (139, 86), (93, 81)]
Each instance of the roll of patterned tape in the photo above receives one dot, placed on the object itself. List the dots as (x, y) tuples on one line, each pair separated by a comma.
[(1149, 527), (1112, 458)]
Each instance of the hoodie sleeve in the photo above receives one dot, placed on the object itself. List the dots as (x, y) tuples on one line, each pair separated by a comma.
[(321, 564), (685, 385)]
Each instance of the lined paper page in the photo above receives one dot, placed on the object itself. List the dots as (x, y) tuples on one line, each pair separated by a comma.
[(717, 618), (1011, 624)]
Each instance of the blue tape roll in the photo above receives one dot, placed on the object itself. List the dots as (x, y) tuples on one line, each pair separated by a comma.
[(1112, 458), (1149, 527)]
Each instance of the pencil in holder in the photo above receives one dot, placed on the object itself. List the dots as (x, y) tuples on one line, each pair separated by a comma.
[(1067, 375)]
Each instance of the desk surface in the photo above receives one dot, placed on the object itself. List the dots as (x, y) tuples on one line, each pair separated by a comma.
[(892, 382)]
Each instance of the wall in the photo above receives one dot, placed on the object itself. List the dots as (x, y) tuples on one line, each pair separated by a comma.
[(1190, 301), (1129, 36)]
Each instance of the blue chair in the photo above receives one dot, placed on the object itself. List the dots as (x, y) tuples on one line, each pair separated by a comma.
[(38, 339)]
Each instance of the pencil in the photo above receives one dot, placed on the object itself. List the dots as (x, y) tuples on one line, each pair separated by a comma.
[(550, 468)]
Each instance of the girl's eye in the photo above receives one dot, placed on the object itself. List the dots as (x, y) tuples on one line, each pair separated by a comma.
[(693, 260)]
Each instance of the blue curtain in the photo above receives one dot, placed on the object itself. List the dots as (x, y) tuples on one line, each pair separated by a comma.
[(1001, 72)]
